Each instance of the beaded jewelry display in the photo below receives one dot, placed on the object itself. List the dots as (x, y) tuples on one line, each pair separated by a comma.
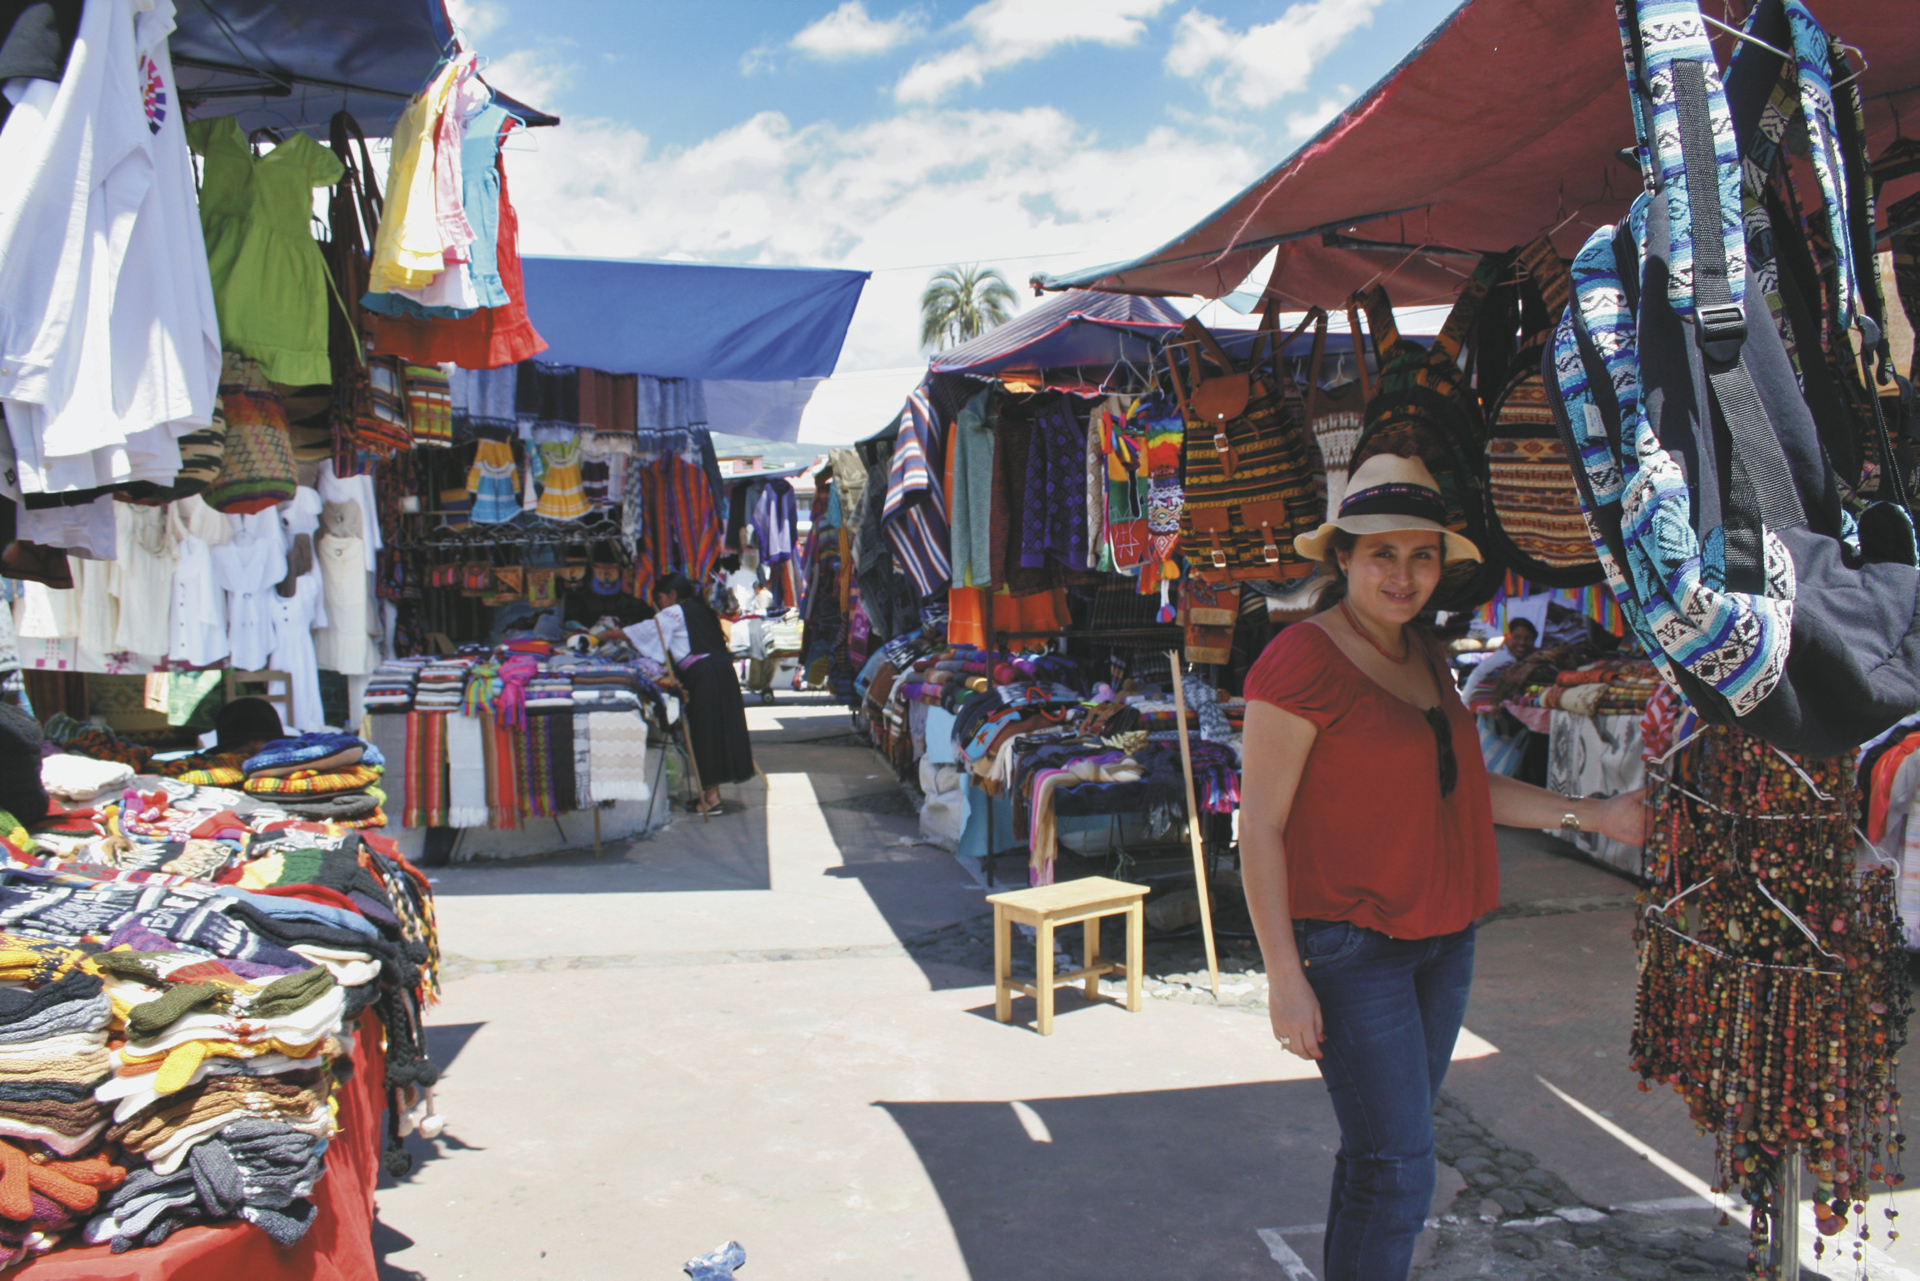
[(1773, 992)]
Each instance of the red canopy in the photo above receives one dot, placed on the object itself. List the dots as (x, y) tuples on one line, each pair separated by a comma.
[(1502, 124)]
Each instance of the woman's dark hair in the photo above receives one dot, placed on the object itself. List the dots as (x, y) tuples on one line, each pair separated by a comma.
[(1336, 589), (679, 584), (247, 720)]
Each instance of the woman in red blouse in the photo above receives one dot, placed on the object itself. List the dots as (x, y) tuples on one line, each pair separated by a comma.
[(1367, 848)]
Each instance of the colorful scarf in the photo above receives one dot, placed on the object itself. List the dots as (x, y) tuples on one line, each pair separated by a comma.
[(511, 703), (536, 766), (503, 791), (426, 772)]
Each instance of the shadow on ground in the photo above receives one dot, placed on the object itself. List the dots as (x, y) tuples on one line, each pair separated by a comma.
[(1165, 1183)]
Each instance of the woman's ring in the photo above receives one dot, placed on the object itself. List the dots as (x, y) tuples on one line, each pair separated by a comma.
[(1285, 1041)]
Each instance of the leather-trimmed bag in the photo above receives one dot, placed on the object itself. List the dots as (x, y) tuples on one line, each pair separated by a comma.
[(369, 392), (1533, 506), (1424, 407), (1249, 484)]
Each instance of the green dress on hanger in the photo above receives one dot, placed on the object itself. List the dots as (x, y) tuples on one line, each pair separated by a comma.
[(270, 283)]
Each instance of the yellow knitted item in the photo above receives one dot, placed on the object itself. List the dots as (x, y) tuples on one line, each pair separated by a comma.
[(177, 1066), (312, 782)]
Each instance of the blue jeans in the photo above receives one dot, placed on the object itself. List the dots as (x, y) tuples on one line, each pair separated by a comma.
[(1391, 1009)]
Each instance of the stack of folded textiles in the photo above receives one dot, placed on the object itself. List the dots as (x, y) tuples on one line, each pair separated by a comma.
[(442, 684), (605, 687), (323, 777), (72, 778), (390, 688), (170, 1047), (550, 691)]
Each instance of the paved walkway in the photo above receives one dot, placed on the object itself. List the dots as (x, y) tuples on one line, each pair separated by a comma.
[(736, 1029)]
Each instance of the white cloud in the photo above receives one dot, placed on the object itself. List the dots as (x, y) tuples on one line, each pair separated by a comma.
[(850, 32), (1258, 66), (1001, 33), (1020, 190), (1307, 121), (475, 19), (535, 78)]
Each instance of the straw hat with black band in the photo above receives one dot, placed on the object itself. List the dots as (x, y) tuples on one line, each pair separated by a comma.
[(1387, 494)]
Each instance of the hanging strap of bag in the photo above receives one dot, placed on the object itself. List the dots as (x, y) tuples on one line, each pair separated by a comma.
[(1761, 491), (1313, 367), (1359, 340)]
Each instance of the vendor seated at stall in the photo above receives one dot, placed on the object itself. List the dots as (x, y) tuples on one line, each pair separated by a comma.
[(1522, 636), (240, 730), (603, 605)]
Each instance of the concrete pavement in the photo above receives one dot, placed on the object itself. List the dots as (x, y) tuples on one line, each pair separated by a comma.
[(717, 1033)]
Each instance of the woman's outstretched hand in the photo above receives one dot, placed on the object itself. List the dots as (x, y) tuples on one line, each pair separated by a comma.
[(1625, 817), (1294, 1012)]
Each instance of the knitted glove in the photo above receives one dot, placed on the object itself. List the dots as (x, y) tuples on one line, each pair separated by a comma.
[(73, 1184)]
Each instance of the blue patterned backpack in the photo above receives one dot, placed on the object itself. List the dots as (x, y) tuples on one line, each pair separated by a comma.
[(1696, 441)]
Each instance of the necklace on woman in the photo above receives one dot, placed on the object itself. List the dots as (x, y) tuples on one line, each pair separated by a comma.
[(1384, 651)]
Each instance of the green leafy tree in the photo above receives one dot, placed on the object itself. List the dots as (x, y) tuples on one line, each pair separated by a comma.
[(961, 303)]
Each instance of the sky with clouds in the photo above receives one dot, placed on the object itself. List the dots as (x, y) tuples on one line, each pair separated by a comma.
[(1019, 134)]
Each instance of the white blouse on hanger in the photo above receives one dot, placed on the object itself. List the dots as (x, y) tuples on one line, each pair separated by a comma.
[(247, 567)]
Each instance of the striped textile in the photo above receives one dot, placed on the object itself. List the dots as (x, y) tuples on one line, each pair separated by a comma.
[(679, 525), (535, 763), (503, 779), (915, 513), (426, 772), (429, 406)]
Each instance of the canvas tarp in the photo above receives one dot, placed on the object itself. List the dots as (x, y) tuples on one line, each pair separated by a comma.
[(1502, 124)]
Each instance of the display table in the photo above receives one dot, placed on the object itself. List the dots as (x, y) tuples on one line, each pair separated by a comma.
[(339, 1245), (1589, 755)]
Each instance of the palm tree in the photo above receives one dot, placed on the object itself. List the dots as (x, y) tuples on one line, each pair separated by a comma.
[(962, 303)]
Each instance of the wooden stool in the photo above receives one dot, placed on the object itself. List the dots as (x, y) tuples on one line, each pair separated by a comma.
[(1047, 906)]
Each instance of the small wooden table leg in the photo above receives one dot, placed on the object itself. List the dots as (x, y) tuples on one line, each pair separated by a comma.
[(1136, 952), (1002, 966), (1092, 953), (1043, 976)]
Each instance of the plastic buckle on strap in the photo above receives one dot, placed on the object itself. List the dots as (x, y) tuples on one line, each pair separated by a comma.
[(1219, 559), (1271, 550), (1222, 443), (1723, 329)]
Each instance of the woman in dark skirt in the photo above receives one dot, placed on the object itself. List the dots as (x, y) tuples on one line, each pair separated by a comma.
[(716, 718)]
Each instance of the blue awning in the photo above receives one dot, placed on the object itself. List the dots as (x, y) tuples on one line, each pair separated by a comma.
[(692, 320), (290, 64)]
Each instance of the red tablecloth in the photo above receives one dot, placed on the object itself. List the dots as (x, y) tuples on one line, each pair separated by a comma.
[(338, 1247)]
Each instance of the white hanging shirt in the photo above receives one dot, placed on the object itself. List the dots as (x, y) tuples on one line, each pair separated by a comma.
[(294, 619), (247, 567), (141, 353), (199, 623)]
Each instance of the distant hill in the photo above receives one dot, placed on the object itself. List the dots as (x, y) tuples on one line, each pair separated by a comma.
[(773, 454)]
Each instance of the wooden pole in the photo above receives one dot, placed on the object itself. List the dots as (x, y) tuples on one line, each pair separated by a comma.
[(596, 831), (1193, 822), (686, 739)]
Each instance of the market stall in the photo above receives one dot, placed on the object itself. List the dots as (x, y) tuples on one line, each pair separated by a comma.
[(326, 542), (1686, 429)]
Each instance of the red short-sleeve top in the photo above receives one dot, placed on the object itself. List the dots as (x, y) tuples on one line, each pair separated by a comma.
[(1369, 838)]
